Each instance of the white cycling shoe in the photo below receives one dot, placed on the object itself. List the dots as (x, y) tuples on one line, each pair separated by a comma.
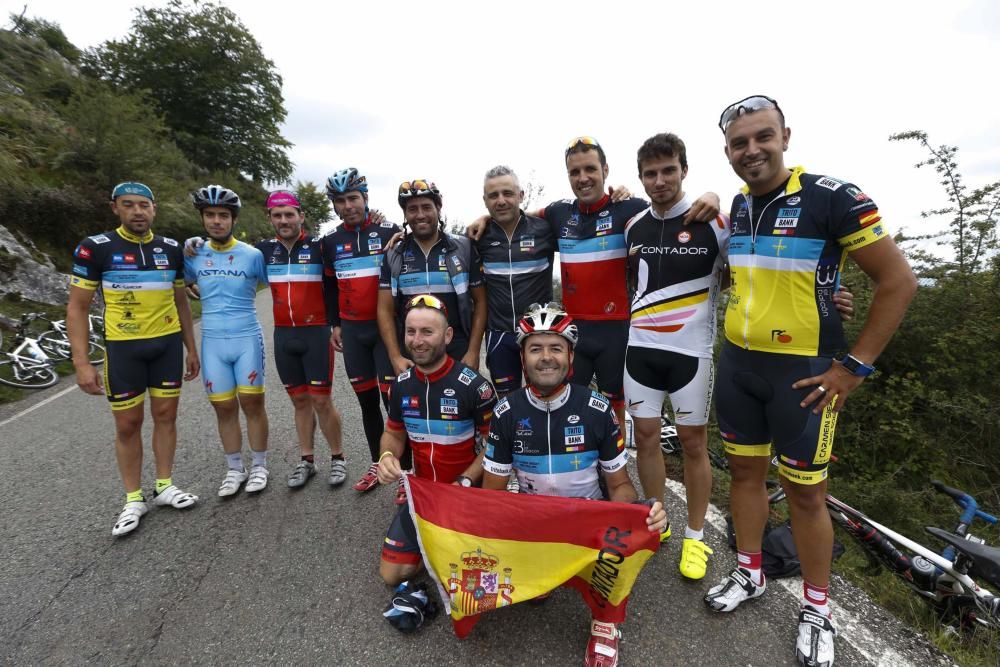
[(814, 646), (734, 590), (231, 484), (174, 497), (128, 520), (257, 479)]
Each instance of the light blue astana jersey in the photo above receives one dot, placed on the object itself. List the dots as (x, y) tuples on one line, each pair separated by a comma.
[(227, 278)]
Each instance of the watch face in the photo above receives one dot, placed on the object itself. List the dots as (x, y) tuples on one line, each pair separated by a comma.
[(465, 481)]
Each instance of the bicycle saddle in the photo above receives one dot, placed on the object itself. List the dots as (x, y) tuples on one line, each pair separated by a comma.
[(985, 560)]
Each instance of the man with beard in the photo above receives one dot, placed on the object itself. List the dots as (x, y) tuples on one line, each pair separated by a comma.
[(353, 254), (227, 273), (428, 260), (556, 436), (147, 320), (437, 406), (303, 302), (785, 370)]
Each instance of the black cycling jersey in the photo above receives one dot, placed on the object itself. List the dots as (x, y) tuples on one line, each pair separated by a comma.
[(517, 269), (555, 447)]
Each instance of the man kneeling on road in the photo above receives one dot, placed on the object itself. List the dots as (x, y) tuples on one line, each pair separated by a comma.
[(438, 405), (556, 435)]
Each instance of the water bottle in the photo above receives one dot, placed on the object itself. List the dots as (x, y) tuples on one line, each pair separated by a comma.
[(629, 442), (37, 354)]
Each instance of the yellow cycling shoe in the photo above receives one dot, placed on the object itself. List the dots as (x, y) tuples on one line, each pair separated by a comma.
[(694, 558), (665, 535)]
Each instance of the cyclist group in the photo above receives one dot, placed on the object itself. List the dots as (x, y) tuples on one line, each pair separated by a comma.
[(640, 282)]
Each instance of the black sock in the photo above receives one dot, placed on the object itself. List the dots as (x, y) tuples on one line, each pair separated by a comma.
[(310, 458), (371, 418), (336, 457)]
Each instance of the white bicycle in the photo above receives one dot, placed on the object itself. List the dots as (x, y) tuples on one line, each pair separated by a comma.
[(25, 365)]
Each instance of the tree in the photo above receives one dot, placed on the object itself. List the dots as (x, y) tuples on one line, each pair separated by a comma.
[(315, 204), (217, 92), (972, 227)]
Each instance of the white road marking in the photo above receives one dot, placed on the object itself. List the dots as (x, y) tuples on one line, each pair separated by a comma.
[(37, 405)]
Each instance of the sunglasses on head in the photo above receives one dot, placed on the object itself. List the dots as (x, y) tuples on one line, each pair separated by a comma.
[(427, 301), (746, 106)]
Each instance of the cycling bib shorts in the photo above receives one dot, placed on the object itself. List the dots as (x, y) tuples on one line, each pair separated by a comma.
[(756, 406), (232, 365), (304, 358), (132, 366), (651, 375)]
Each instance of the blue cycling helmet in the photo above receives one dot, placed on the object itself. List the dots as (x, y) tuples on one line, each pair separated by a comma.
[(216, 195), (346, 180)]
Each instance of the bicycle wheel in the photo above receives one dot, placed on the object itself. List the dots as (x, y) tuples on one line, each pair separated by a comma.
[(27, 375), (57, 346)]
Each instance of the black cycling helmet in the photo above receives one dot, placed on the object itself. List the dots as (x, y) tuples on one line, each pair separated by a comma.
[(418, 188), (217, 195)]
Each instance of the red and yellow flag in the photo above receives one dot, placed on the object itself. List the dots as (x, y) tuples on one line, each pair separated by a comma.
[(489, 549)]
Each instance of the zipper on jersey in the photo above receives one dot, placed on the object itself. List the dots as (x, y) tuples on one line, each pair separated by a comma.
[(427, 420), (288, 283), (548, 433), (510, 273), (753, 262)]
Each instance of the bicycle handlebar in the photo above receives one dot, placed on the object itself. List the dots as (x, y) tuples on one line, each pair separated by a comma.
[(966, 502)]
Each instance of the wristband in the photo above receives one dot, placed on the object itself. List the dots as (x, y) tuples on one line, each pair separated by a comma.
[(384, 454)]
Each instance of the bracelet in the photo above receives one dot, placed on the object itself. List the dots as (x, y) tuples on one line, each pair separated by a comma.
[(384, 454)]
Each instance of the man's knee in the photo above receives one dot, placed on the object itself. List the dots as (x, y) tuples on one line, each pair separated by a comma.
[(163, 410), (396, 573), (748, 469), (694, 441), (321, 403), (252, 404), (808, 498), (129, 422), (227, 409)]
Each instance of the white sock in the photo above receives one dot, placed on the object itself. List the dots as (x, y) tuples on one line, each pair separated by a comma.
[(235, 461), (692, 534)]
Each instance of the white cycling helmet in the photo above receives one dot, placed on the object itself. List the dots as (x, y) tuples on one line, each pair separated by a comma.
[(550, 318)]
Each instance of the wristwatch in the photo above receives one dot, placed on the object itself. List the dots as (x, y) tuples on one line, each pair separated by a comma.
[(464, 481), (855, 366)]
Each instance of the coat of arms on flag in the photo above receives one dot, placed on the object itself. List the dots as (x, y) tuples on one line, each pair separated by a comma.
[(473, 541)]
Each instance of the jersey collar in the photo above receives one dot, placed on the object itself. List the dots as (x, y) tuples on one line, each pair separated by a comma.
[(552, 403), (364, 223), (229, 245), (794, 182), (436, 375), (129, 236), (595, 207), (676, 211)]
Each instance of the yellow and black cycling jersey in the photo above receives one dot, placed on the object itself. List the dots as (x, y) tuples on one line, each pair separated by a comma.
[(137, 276), (786, 254)]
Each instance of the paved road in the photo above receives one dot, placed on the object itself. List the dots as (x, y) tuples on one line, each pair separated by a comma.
[(292, 576)]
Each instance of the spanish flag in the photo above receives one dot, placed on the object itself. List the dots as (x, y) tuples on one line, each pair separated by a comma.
[(489, 549)]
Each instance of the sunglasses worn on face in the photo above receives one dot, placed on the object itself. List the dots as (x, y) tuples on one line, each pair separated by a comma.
[(746, 106)]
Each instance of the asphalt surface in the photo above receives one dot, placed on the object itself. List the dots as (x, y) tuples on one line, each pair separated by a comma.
[(292, 576)]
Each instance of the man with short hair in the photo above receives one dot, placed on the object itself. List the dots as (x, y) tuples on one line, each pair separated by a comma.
[(428, 260), (780, 380), (592, 261), (517, 252), (303, 304), (147, 319), (354, 252), (437, 406), (561, 439), (676, 270), (227, 273)]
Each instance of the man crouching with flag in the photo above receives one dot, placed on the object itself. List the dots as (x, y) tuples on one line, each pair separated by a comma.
[(554, 436), (438, 405)]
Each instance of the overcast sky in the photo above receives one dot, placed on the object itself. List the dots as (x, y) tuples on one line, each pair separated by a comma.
[(446, 90)]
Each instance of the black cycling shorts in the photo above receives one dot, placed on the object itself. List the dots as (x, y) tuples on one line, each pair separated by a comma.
[(400, 545), (365, 359), (503, 358), (304, 357), (132, 366), (756, 406), (601, 351)]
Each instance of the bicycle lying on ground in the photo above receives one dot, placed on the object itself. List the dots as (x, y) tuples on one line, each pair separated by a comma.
[(947, 580), (26, 365), (55, 340)]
